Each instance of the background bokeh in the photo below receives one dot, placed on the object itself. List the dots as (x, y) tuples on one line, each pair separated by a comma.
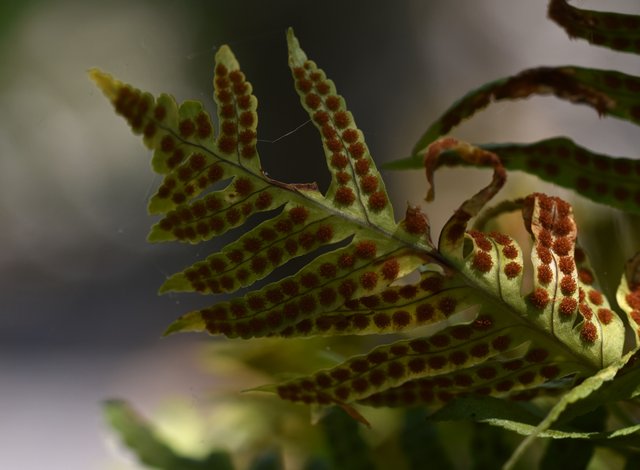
[(80, 320)]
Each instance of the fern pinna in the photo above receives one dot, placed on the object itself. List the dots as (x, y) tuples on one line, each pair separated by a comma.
[(479, 334)]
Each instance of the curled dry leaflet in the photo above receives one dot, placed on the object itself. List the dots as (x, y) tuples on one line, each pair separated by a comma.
[(494, 336)]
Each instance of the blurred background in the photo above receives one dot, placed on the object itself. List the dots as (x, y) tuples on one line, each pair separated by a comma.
[(80, 319)]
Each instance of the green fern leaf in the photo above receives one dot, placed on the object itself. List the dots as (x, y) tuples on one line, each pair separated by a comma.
[(479, 334)]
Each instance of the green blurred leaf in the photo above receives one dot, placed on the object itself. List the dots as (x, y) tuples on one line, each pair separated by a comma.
[(140, 437), (601, 28), (271, 460), (421, 442), (607, 91), (601, 178), (347, 449), (488, 447)]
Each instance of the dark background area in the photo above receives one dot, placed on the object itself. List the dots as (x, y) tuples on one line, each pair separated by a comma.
[(80, 319)]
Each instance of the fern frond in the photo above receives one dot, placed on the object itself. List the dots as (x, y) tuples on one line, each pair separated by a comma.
[(480, 334)]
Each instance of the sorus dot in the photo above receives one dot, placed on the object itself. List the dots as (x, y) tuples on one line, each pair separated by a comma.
[(369, 184), (447, 305), (333, 102), (482, 262), (309, 280), (390, 269), (539, 298), (366, 249), (378, 201), (362, 166), (274, 254), (544, 275), (233, 216), (544, 254), (312, 100), (338, 160), (323, 88), (343, 177), (298, 214), (568, 306), (246, 137), (263, 201), (585, 276), (605, 315), (381, 320), (369, 280), (585, 311), (550, 372), (344, 196), (424, 312), (562, 246), (321, 117), (347, 288), (341, 119), (328, 270), (401, 318), (370, 301), (350, 136), (588, 332), (390, 296), (501, 343), (329, 132), (324, 234), (291, 246), (186, 128), (595, 297), (357, 150), (243, 186)]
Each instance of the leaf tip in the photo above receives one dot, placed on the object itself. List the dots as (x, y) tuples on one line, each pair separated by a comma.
[(105, 82), (191, 322), (297, 57)]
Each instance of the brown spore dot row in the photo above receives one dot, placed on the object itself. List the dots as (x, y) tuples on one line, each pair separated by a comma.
[(291, 306), (482, 381), (254, 255), (237, 114), (364, 375), (349, 159), (214, 214), (406, 359), (189, 175)]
